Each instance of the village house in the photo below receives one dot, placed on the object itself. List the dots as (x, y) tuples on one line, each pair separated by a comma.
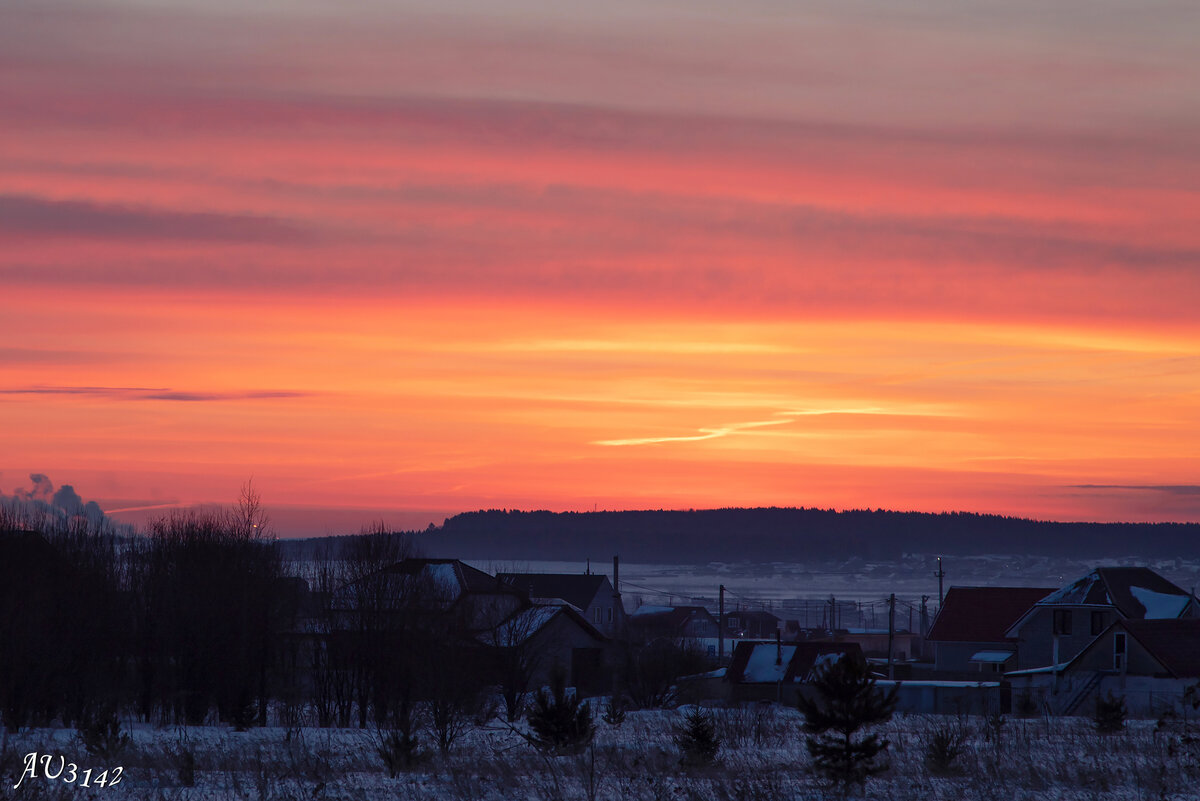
[(1058, 627), (679, 624), (540, 639), (593, 595), (774, 671), (970, 633), (1154, 665), (751, 624)]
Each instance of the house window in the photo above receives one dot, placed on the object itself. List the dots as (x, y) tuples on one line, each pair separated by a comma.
[(733, 622), (610, 614), (596, 613), (1062, 621), (1097, 623), (1119, 651)]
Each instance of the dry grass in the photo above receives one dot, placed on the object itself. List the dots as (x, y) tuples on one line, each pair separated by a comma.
[(762, 759)]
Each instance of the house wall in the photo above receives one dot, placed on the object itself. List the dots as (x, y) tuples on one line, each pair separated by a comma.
[(954, 657), (555, 644), (1099, 657), (1035, 647), (605, 611), (1146, 697), (951, 698), (876, 644)]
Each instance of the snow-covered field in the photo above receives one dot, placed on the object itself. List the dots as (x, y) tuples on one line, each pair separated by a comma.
[(762, 759)]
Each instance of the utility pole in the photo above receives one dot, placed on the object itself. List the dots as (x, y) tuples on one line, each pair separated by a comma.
[(891, 634), (721, 626), (941, 575), (924, 616), (832, 616)]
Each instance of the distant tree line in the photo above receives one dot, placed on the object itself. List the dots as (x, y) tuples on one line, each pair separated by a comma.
[(201, 619), (791, 534)]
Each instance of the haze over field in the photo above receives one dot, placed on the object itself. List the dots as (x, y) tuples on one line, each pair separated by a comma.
[(416, 258)]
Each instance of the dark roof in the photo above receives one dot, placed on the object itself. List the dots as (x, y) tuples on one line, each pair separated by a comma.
[(1174, 643), (577, 589), (982, 614), (675, 617), (1130, 589), (753, 614), (801, 656), (469, 579), (525, 623)]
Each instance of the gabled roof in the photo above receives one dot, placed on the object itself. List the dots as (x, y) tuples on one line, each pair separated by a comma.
[(450, 573), (755, 662), (577, 589), (1174, 643), (982, 614), (753, 614), (1136, 593), (525, 623), (675, 617)]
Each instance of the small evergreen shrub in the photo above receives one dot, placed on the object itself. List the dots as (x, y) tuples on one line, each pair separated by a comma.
[(1026, 705), (942, 749), (614, 711), (100, 734), (697, 738), (845, 701), (185, 765), (994, 727), (560, 723), (1110, 713), (400, 750)]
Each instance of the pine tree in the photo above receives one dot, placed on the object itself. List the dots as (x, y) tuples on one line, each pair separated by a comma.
[(697, 738), (561, 724), (846, 700)]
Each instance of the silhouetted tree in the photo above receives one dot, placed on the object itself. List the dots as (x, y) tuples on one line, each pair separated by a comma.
[(845, 701), (697, 738), (561, 721)]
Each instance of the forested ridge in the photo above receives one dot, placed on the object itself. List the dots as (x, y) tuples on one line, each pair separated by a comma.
[(789, 534)]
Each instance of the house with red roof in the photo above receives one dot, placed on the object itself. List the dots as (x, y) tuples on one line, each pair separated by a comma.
[(970, 632)]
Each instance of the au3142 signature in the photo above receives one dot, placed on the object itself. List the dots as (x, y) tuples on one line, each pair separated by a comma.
[(57, 768)]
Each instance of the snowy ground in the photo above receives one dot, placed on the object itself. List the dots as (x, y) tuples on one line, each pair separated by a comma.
[(763, 759)]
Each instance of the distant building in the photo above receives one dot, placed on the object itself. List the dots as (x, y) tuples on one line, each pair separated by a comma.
[(773, 671), (592, 594), (677, 623), (1058, 627), (1152, 664), (970, 632), (751, 624)]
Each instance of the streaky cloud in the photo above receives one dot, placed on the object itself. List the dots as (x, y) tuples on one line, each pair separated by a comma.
[(23, 216), (147, 393)]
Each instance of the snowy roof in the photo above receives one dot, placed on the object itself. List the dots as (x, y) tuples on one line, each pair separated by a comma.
[(1137, 593), (529, 621), (997, 657), (521, 626), (755, 661), (652, 610), (768, 663)]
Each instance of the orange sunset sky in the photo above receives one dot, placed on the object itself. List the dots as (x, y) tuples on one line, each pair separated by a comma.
[(428, 256)]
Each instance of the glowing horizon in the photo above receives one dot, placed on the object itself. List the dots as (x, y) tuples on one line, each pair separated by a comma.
[(687, 256)]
